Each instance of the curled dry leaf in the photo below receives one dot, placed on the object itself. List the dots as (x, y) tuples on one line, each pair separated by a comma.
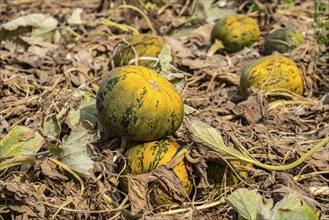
[(144, 188)]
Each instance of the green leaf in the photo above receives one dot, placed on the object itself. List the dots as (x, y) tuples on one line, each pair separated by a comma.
[(250, 205), (20, 140), (290, 207), (47, 30), (165, 58), (50, 127), (74, 149), (75, 18), (40, 25), (24, 21), (189, 109), (210, 12), (16, 161), (85, 111), (245, 202), (202, 133)]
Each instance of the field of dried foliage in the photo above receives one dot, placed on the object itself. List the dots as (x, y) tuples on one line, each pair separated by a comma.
[(52, 61)]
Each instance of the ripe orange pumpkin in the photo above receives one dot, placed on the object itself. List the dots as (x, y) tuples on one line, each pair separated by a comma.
[(146, 157), (139, 104)]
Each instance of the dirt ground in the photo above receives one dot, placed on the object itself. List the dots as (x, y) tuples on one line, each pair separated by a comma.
[(39, 77)]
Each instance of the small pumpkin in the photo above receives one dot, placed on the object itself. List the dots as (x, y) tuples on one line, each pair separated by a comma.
[(146, 157), (221, 175), (270, 73), (139, 104), (233, 33), (282, 40), (143, 45)]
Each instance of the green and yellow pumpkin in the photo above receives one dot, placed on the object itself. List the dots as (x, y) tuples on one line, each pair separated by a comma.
[(149, 156), (233, 33), (143, 45), (222, 175), (282, 40), (137, 103), (274, 72)]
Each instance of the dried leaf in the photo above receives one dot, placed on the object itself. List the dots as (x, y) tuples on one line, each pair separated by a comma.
[(139, 187), (251, 109), (20, 140), (51, 172)]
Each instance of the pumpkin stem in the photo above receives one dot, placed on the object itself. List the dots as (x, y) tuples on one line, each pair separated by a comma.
[(217, 45), (154, 84), (123, 142)]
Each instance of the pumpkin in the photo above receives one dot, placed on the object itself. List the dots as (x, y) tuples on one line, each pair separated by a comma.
[(233, 33), (146, 157), (282, 40), (270, 73), (137, 103), (217, 171), (143, 45)]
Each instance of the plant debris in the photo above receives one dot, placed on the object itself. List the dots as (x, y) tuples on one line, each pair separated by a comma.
[(56, 161)]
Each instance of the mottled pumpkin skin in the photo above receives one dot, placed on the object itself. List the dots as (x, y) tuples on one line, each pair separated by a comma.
[(282, 40), (217, 171), (236, 32), (145, 45), (149, 156), (138, 103), (270, 73)]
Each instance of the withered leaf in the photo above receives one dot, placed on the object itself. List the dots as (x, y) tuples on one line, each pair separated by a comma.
[(139, 187), (251, 109), (51, 172)]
